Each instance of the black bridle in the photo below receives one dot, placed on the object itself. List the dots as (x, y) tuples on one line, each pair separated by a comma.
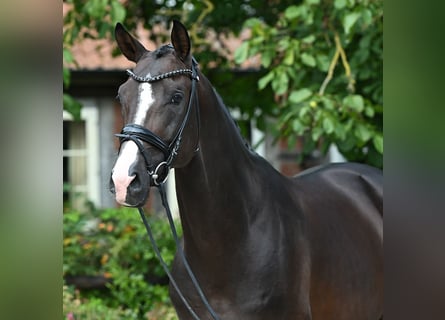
[(137, 133)]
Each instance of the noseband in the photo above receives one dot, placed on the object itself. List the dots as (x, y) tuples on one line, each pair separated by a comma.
[(137, 133)]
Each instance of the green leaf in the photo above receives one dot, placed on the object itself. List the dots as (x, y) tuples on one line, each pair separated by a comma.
[(304, 114), (96, 8), (298, 127), (313, 1), (349, 143), (362, 132), (67, 56), (349, 20), (266, 58), (118, 12), (367, 16), (252, 23), (308, 39), (316, 133), (103, 29), (355, 102), (262, 83), (308, 60), (378, 143), (323, 62), (292, 12), (328, 125), (66, 77), (328, 103), (280, 83), (283, 44), (289, 57), (299, 95), (339, 4), (241, 53), (72, 106), (340, 131), (369, 111), (351, 3)]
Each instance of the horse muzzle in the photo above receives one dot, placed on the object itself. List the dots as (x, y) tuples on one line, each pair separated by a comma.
[(132, 189)]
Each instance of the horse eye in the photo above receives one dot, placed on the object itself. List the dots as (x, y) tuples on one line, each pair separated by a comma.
[(176, 98)]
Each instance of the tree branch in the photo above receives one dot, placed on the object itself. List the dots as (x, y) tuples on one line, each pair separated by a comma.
[(339, 52)]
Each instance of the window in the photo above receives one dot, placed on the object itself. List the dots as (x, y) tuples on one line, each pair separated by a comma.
[(81, 158)]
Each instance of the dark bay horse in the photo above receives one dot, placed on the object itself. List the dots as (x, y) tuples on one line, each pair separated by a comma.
[(262, 245)]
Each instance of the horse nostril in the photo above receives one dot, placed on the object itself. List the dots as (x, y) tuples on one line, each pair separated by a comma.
[(136, 184), (135, 171)]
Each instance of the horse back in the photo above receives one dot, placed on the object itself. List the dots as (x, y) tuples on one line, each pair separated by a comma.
[(342, 204), (344, 180)]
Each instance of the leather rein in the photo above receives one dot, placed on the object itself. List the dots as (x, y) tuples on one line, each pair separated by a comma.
[(137, 133)]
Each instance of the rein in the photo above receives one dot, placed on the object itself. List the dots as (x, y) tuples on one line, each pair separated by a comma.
[(136, 133), (181, 254)]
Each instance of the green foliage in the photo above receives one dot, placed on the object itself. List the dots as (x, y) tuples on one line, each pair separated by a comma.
[(322, 61), (72, 106), (325, 69), (75, 307), (113, 243), (69, 103), (96, 19), (86, 19)]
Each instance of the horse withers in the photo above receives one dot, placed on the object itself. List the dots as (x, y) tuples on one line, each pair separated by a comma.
[(262, 245)]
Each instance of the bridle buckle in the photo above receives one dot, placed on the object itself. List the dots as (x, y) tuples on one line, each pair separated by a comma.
[(155, 174)]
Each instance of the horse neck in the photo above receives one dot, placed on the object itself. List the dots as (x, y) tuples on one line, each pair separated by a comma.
[(213, 187)]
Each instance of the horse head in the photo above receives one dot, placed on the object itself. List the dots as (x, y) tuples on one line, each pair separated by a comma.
[(159, 109)]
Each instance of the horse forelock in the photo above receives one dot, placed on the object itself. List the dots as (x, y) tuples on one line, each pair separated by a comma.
[(162, 51)]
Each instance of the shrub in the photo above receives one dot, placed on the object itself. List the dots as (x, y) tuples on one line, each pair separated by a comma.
[(74, 307), (112, 243)]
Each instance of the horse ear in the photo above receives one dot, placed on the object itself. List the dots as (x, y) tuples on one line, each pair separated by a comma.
[(129, 46), (180, 40)]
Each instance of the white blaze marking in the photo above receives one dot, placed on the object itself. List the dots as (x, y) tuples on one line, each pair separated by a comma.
[(120, 174), (129, 150), (145, 101)]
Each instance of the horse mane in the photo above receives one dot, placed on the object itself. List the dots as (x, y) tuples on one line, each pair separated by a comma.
[(236, 125)]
